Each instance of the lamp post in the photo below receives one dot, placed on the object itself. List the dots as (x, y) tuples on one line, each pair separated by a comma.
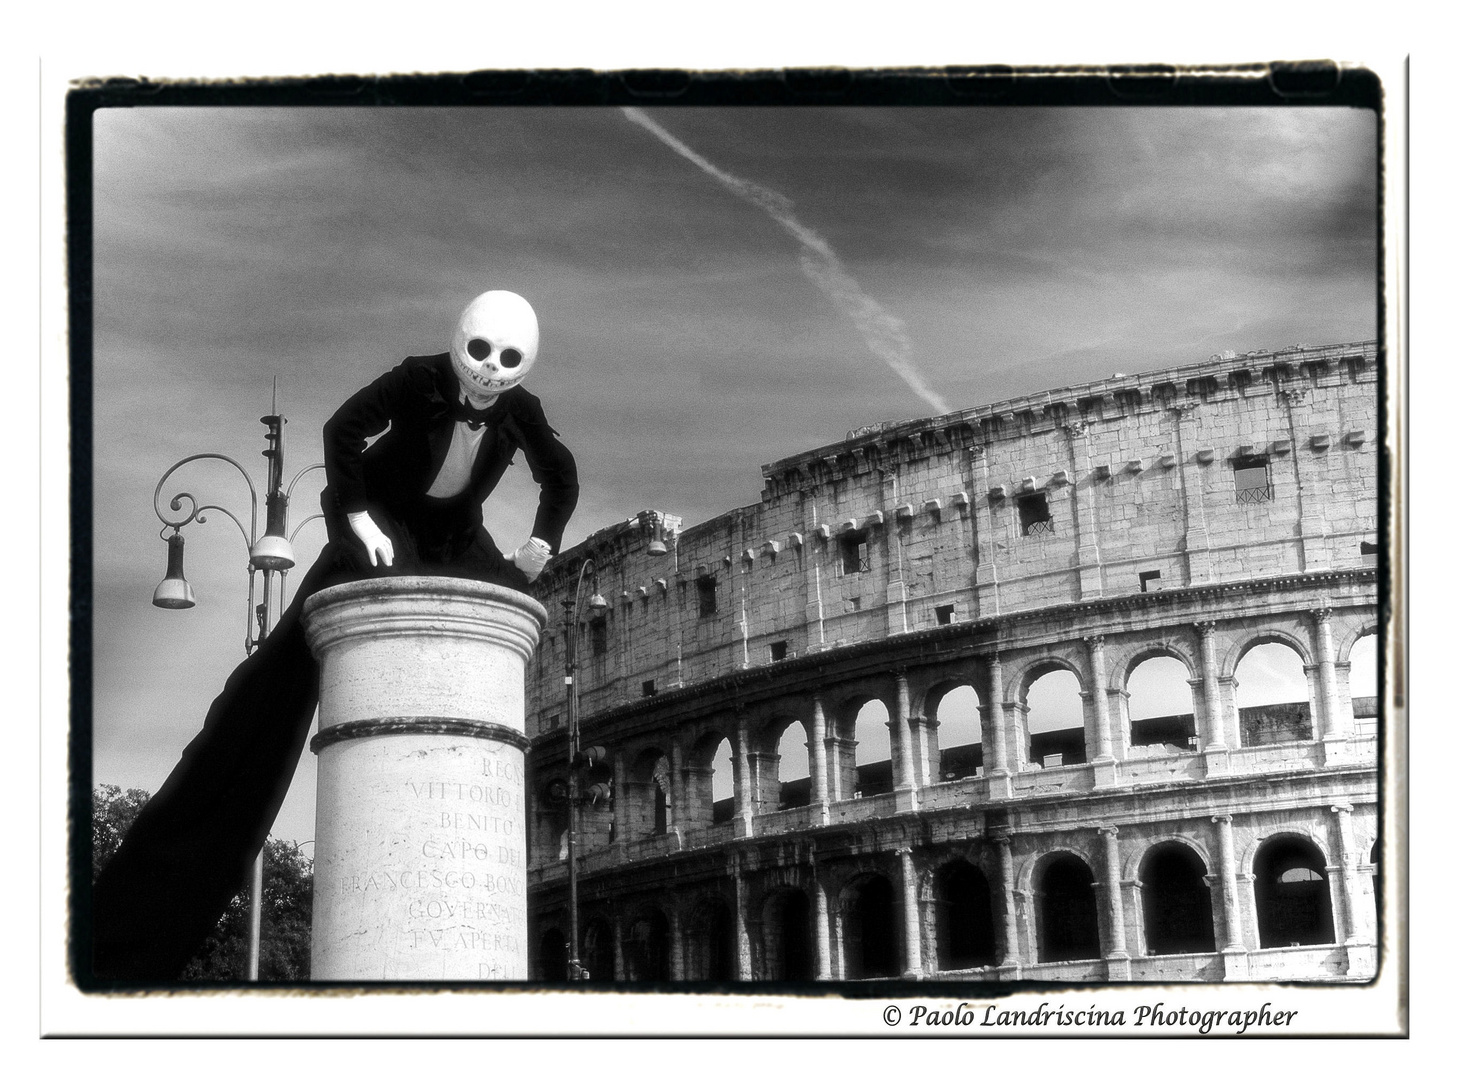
[(571, 604), (270, 555)]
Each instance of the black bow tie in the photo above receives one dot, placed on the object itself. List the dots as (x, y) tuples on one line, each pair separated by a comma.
[(461, 410)]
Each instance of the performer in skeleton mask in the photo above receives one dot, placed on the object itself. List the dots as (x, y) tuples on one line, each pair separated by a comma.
[(411, 503)]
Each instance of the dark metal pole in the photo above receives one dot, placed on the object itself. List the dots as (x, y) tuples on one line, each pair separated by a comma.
[(572, 720)]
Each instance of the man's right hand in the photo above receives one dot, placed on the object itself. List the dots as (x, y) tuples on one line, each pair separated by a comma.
[(373, 539)]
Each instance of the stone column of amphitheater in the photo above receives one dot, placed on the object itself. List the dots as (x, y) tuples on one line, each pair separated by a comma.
[(420, 841)]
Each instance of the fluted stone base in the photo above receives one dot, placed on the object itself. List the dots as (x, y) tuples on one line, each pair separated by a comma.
[(420, 841)]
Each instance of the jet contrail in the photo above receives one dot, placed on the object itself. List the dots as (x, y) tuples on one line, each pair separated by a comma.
[(884, 333)]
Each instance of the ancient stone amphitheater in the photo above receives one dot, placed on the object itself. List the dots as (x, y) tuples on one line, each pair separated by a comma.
[(1058, 688)]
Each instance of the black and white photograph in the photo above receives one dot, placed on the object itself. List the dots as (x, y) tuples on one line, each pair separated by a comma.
[(895, 541)]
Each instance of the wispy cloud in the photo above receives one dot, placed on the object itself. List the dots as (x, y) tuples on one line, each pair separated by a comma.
[(885, 334)]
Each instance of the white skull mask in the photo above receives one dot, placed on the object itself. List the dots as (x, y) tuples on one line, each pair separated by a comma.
[(495, 343)]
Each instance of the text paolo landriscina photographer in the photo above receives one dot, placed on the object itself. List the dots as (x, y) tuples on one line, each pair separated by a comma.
[(1159, 1015)]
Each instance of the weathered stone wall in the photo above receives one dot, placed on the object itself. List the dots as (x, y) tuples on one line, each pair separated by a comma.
[(1137, 473)]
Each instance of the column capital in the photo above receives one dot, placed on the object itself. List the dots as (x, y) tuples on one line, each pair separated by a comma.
[(1002, 836), (1111, 831), (1206, 628), (1222, 818), (1342, 808), (1321, 615), (1095, 641)]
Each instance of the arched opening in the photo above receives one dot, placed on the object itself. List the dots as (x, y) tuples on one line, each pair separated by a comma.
[(788, 952), (1162, 711), (793, 768), (870, 931), (1292, 891), (1176, 901), (649, 795), (1272, 696), (1364, 683), (959, 734), (710, 782), (965, 934), (1068, 918), (1054, 715), (598, 956), (645, 950), (554, 955), (867, 770), (710, 952)]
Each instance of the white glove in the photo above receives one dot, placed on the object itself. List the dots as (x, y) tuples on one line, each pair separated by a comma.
[(373, 538), (531, 557)]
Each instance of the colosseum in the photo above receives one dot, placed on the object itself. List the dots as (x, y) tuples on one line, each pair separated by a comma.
[(1055, 689)]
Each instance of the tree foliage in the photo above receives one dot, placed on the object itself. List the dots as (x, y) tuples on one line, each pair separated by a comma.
[(285, 915)]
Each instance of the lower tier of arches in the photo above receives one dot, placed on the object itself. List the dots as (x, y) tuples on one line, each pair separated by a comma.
[(1203, 888)]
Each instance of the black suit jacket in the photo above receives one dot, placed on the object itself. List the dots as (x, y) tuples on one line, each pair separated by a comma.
[(416, 398)]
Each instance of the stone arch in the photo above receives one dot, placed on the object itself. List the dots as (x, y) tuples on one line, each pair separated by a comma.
[(1352, 635), (1066, 909), (1029, 672), (864, 757), (1138, 853), (966, 934), (1057, 736), (1175, 900), (787, 919), (1283, 716), (1363, 684), (783, 762), (872, 927), (1243, 643), (1159, 701), (1026, 868), (646, 945), (648, 788), (712, 948), (953, 715), (1291, 892), (1128, 658), (1307, 831), (708, 798), (597, 950)]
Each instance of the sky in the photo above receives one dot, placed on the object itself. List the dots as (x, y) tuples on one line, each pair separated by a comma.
[(716, 289)]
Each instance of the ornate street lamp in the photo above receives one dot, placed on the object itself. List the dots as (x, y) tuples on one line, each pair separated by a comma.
[(271, 555), (575, 759)]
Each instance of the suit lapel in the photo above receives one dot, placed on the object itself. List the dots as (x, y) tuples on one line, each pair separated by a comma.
[(440, 425)]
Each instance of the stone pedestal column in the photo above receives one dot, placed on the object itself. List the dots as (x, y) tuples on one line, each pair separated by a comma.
[(420, 843)]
